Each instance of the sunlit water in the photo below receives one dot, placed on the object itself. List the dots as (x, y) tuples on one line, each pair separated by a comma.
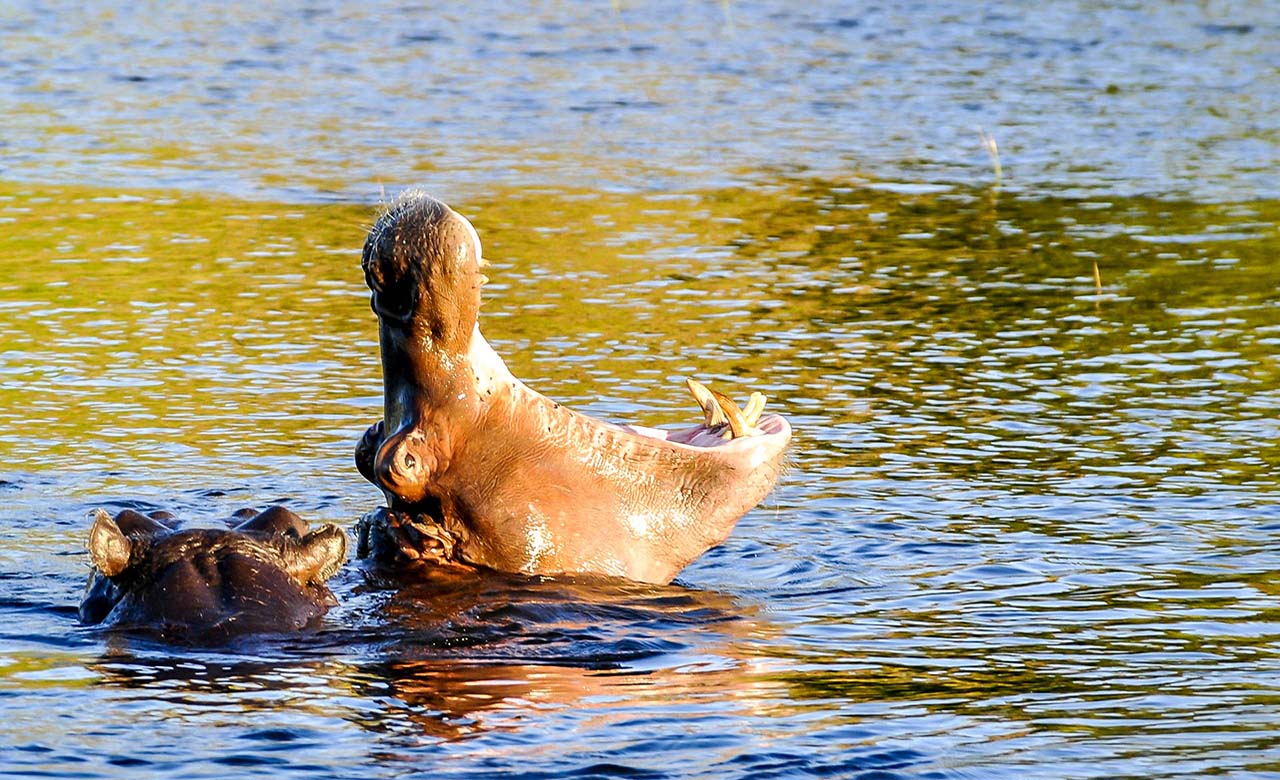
[(1030, 522), (301, 100)]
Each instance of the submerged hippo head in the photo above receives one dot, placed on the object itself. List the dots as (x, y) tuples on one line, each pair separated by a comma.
[(266, 574), (479, 469)]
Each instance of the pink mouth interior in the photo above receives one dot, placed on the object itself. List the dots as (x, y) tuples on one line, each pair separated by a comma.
[(702, 436)]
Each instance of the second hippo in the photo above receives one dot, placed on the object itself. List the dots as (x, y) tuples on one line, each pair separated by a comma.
[(266, 574)]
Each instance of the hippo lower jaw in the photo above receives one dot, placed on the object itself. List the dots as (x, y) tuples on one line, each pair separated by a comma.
[(480, 469), (541, 489)]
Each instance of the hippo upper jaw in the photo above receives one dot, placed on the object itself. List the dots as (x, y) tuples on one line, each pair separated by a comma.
[(493, 473)]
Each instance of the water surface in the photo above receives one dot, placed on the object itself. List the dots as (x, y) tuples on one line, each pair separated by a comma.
[(1029, 525), (301, 101)]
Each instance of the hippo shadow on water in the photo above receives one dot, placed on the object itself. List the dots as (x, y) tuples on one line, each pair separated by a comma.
[(467, 653), (455, 653), (208, 585)]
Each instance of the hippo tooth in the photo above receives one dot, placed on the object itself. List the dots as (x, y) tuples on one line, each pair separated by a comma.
[(737, 424), (707, 400), (754, 408)]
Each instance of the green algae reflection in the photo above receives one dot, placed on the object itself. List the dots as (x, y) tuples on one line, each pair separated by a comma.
[(146, 327)]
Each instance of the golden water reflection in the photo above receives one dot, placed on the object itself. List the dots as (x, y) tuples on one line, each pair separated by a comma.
[(150, 328), (1027, 506)]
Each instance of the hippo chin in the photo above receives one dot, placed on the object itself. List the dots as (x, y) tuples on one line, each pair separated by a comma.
[(478, 469), (267, 574)]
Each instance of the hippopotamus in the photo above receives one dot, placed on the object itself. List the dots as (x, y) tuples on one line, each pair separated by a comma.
[(266, 574), (480, 470)]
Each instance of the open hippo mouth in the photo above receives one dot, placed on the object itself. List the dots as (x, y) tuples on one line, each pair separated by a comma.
[(479, 469)]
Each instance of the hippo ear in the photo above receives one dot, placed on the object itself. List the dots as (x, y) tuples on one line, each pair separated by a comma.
[(318, 556), (138, 526), (276, 520), (109, 548)]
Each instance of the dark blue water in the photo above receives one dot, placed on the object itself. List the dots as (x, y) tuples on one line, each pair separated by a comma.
[(303, 101), (1030, 520)]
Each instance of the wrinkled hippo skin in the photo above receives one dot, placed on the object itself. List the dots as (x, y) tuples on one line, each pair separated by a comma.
[(480, 470), (266, 574)]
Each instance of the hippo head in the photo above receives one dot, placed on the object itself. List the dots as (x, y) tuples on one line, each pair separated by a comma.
[(266, 574), (479, 469)]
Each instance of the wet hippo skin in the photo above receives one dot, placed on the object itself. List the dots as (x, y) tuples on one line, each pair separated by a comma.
[(266, 574), (478, 469)]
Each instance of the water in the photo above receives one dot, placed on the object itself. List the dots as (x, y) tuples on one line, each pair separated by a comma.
[(1029, 525), (300, 101)]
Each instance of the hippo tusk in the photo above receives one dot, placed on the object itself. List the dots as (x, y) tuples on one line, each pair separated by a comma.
[(707, 400), (721, 410), (754, 408), (737, 424)]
